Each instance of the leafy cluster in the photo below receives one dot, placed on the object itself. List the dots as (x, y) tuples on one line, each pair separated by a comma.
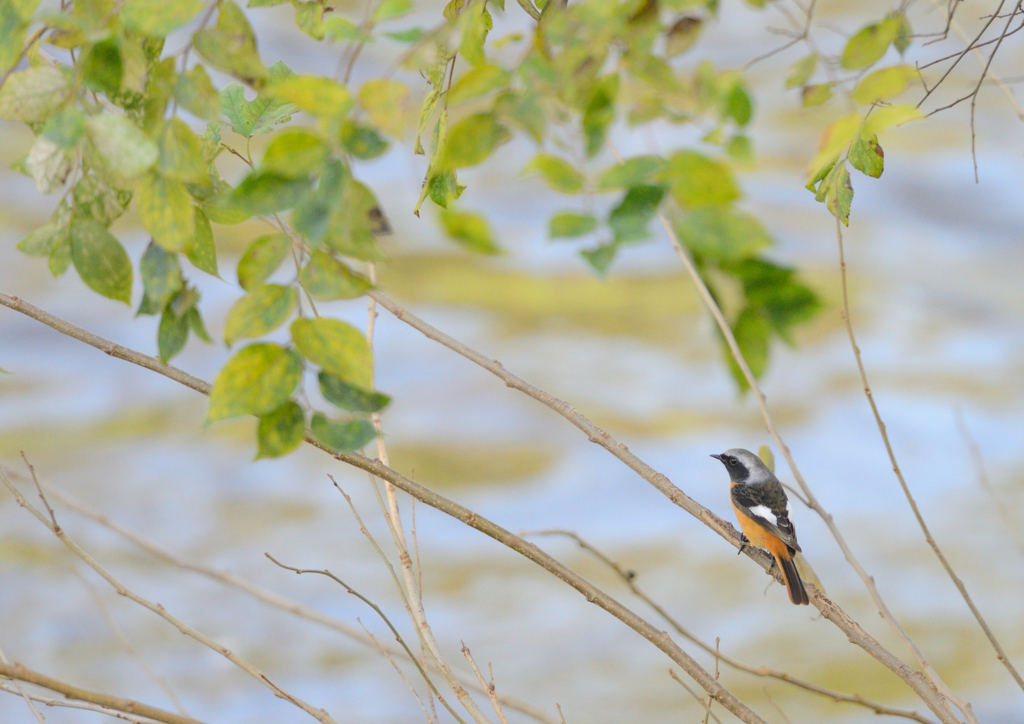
[(118, 123)]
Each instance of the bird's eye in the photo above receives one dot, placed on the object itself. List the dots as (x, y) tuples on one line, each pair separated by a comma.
[(730, 460)]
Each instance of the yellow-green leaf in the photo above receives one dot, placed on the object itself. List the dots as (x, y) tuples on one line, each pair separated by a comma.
[(312, 93), (157, 18), (281, 431), (470, 230), (167, 212), (342, 436), (265, 308), (889, 116), (337, 347), (479, 81), (181, 155), (385, 101), (196, 94), (885, 84), (869, 44), (559, 173), (295, 152), (231, 45), (696, 180), (801, 71), (262, 259), (835, 139), (125, 151), (867, 156), (815, 95), (33, 94), (101, 260), (472, 140), (203, 252), (325, 278), (256, 381)]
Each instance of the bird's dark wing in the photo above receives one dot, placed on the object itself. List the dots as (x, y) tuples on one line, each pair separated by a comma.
[(767, 505)]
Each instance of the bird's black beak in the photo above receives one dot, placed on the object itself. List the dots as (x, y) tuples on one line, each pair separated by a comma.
[(717, 457)]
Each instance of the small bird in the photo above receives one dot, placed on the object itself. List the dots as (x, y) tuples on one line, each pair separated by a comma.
[(762, 510)]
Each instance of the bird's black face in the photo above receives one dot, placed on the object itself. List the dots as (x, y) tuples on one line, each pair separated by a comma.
[(738, 472)]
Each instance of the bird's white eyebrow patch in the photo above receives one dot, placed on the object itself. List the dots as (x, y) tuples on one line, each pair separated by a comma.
[(763, 511)]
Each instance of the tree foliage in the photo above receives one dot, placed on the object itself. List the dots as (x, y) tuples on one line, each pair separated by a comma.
[(122, 121)]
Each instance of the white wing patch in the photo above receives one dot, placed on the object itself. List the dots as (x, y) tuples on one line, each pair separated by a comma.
[(763, 511)]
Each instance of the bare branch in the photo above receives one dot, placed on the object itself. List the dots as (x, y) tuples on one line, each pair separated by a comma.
[(20, 690), (1000, 654), (703, 701), (488, 685), (22, 673)]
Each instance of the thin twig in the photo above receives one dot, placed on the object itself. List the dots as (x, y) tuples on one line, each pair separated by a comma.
[(488, 685), (1000, 654), (700, 699), (383, 616), (401, 675), (32, 39), (120, 635), (319, 714)]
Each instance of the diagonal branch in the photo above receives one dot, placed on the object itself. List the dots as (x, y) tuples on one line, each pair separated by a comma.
[(18, 672), (594, 595)]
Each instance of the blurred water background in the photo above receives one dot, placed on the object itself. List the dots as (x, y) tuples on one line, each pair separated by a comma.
[(935, 271)]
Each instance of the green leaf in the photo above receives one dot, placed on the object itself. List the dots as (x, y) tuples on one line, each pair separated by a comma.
[(264, 309), (629, 219), (631, 172), (161, 275), (696, 180), (101, 260), (325, 278), (195, 323), (15, 18), (102, 68), (722, 234), (903, 35), (295, 152), (600, 257), (281, 431), (801, 71), (470, 230), (40, 242), (231, 46), (753, 334), (816, 95), (314, 94), (478, 82), (600, 112), (309, 17), (60, 256), (262, 259), (341, 29), (774, 292), (472, 140), (265, 193), (682, 35), (837, 192), (560, 174), (738, 106), (181, 155), (740, 149), (97, 200), (171, 335), (33, 94), (337, 347), (391, 9), (362, 141), (408, 37), (157, 18), (257, 380), (569, 225), (476, 24), (385, 101), (166, 212), (867, 156), (340, 214), (869, 44), (889, 116), (442, 188), (350, 398), (65, 128), (195, 93), (247, 118), (126, 152), (203, 253), (342, 436), (885, 84)]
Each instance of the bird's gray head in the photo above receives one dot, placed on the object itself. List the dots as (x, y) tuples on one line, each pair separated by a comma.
[(744, 466)]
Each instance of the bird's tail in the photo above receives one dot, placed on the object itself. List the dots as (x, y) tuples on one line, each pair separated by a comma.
[(797, 592)]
